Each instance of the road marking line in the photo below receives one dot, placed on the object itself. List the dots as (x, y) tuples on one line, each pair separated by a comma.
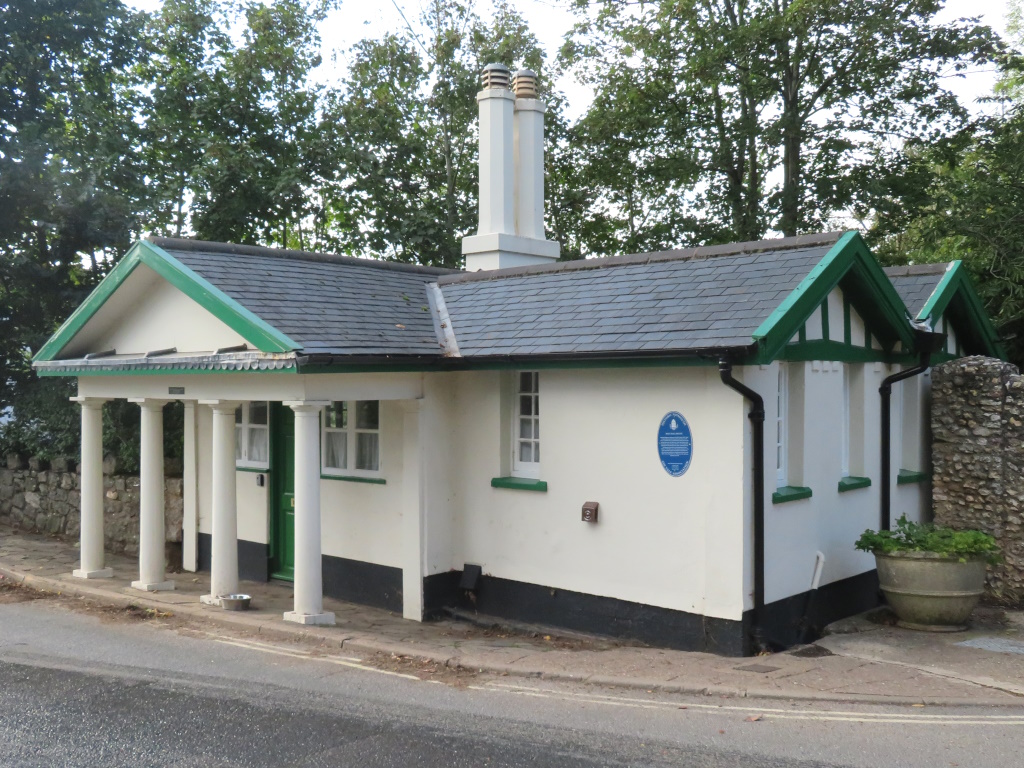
[(341, 661), (774, 713)]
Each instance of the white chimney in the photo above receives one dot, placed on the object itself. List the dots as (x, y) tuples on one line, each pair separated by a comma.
[(511, 229)]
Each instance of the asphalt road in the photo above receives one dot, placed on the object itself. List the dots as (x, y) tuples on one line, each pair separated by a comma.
[(91, 690)]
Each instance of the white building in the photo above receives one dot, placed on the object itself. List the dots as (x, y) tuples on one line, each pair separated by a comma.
[(568, 443)]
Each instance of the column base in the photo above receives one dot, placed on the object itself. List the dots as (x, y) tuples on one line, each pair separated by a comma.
[(210, 600), (102, 573), (322, 619), (153, 586)]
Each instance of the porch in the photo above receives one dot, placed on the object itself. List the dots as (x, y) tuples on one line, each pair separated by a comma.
[(219, 505)]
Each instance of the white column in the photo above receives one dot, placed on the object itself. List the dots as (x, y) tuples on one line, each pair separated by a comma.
[(190, 493), (413, 511), (308, 587), (224, 538), (152, 538), (91, 491)]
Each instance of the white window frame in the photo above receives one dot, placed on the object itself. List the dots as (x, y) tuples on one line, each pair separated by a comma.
[(242, 430), (782, 428), (351, 430), (520, 468)]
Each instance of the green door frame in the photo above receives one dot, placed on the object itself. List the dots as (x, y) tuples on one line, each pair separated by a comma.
[(282, 474)]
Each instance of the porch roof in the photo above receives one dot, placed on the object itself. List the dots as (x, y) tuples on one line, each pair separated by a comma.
[(330, 305)]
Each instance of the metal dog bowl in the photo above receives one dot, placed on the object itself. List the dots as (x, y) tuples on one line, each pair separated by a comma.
[(235, 602)]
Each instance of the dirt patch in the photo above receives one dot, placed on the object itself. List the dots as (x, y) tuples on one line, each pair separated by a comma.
[(810, 652), (16, 593), (11, 592), (424, 669)]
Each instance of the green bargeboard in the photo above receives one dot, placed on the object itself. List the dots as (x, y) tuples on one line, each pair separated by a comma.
[(282, 492)]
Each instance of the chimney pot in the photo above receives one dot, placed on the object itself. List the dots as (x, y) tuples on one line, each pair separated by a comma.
[(496, 76), (525, 84)]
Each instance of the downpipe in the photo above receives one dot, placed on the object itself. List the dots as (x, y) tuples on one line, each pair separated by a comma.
[(756, 416), (926, 342)]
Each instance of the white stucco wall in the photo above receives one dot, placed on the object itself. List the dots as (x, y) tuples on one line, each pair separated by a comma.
[(830, 521), (661, 540), (147, 313)]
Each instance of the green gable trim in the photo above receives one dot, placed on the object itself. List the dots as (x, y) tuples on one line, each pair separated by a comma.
[(254, 330), (789, 493), (847, 322), (519, 484), (849, 261), (852, 483), (908, 476), (824, 319), (955, 292), (820, 349)]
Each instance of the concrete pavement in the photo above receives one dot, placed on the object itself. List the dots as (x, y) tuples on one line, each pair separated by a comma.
[(863, 661)]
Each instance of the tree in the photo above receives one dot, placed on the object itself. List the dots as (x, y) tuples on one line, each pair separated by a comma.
[(231, 128), (70, 182), (404, 125), (724, 119), (964, 199)]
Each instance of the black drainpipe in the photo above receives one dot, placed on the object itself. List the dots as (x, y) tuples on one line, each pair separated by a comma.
[(756, 417), (925, 341)]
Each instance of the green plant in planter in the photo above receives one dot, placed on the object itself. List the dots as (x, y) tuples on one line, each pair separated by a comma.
[(925, 537)]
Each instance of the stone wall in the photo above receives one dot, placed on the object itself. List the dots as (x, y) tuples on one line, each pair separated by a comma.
[(46, 500), (977, 420)]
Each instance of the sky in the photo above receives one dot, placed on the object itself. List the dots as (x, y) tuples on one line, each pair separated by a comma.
[(550, 20)]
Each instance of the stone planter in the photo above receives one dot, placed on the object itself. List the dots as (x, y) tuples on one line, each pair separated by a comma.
[(931, 592)]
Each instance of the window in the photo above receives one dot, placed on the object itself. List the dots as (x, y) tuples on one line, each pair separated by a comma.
[(252, 435), (351, 438), (526, 426), (781, 416)]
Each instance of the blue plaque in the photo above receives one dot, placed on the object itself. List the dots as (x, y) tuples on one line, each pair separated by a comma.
[(675, 444)]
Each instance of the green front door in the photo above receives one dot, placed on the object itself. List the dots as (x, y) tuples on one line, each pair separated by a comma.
[(282, 492)]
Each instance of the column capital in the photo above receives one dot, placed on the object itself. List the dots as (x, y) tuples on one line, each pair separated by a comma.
[(222, 406), (89, 402), (151, 403), (306, 406)]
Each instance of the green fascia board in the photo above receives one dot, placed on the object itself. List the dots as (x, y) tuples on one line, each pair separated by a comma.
[(787, 493), (956, 288), (519, 484), (253, 329), (852, 483), (850, 255), (79, 372)]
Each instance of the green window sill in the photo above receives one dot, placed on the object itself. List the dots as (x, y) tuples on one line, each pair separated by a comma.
[(908, 476), (789, 493), (852, 483), (355, 479), (264, 471), (519, 484)]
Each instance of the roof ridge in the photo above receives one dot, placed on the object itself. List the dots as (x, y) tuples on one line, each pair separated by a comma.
[(907, 270), (686, 254), (191, 244)]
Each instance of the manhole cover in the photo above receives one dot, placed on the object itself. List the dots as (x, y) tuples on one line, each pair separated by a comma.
[(764, 668), (995, 644)]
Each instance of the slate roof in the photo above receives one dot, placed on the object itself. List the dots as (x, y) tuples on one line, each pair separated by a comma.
[(915, 284), (672, 301), (332, 305)]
